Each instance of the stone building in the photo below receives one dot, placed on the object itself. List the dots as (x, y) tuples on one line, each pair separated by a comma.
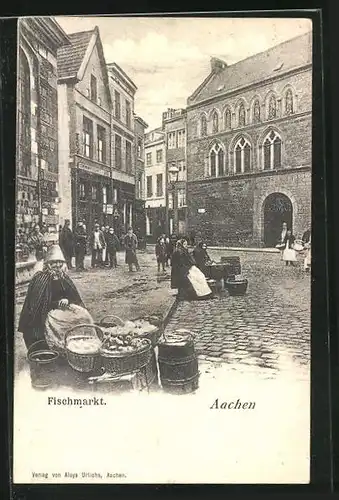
[(174, 127), (156, 188), (37, 162), (249, 146), (122, 91), (86, 188), (139, 223)]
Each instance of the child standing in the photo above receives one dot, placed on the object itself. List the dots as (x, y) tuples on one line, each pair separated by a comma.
[(161, 253)]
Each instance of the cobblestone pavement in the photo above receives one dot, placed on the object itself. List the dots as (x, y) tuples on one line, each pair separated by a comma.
[(268, 328)]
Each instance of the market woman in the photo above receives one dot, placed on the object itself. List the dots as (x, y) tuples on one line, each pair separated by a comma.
[(52, 305), (186, 277), (201, 257)]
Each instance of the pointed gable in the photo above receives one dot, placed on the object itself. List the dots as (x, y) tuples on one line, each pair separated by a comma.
[(71, 56), (277, 60), (83, 58)]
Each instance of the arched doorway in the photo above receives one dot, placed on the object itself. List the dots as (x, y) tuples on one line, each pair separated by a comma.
[(277, 209)]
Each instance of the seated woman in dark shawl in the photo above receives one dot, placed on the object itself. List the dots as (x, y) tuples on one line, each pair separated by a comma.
[(186, 277), (201, 257), (50, 290)]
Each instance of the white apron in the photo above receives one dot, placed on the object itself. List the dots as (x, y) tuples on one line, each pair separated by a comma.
[(198, 282), (289, 254)]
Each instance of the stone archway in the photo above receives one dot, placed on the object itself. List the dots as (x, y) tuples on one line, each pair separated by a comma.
[(277, 208)]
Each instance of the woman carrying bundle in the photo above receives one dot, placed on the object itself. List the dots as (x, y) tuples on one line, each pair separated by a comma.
[(186, 277)]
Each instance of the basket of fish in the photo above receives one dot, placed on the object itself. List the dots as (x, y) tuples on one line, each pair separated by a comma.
[(145, 327), (122, 354)]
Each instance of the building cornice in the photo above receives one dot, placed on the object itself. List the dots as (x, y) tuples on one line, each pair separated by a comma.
[(252, 126), (246, 87), (123, 132), (47, 29), (101, 111), (252, 175)]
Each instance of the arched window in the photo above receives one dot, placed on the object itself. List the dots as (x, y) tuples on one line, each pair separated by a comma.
[(272, 108), (203, 125), (242, 155), (24, 121), (215, 123), (272, 151), (288, 102), (242, 117), (228, 119), (216, 161), (256, 112)]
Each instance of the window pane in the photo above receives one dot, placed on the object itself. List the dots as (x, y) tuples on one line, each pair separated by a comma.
[(277, 153), (149, 186), (221, 162), (118, 151), (267, 155), (213, 164), (159, 185), (247, 158), (238, 159)]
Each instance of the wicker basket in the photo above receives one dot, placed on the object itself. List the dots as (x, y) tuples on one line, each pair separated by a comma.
[(82, 362), (122, 363), (112, 320)]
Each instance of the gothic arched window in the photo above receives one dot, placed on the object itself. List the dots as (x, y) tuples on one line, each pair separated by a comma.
[(242, 155), (288, 102), (272, 151), (24, 120), (216, 161), (272, 108), (242, 116), (228, 119), (215, 122), (203, 125), (256, 112)]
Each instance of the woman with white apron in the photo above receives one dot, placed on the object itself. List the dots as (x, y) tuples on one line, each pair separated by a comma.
[(289, 254)]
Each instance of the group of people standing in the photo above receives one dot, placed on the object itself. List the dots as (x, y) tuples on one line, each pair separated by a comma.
[(104, 245), (290, 246)]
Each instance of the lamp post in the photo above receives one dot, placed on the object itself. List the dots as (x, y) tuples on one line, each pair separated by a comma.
[(173, 173)]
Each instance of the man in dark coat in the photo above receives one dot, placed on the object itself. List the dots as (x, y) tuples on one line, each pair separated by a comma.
[(80, 240), (131, 245), (49, 289), (36, 242), (112, 244), (66, 241), (202, 258)]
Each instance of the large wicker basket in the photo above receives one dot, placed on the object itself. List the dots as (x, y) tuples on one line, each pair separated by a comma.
[(82, 362), (123, 363), (154, 336)]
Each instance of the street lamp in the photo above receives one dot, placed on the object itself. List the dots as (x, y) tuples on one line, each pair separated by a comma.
[(173, 174)]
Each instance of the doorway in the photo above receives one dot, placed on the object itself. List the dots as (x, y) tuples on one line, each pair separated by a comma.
[(277, 209)]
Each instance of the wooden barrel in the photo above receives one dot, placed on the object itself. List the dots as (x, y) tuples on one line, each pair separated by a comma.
[(178, 366)]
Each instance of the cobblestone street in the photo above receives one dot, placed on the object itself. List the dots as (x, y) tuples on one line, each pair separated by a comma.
[(268, 328)]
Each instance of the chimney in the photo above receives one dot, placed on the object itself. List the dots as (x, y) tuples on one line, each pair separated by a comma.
[(217, 65)]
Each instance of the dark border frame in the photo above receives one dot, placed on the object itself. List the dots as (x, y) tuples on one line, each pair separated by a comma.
[(321, 427)]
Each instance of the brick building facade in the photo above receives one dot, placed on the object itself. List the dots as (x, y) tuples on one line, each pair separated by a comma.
[(249, 145), (37, 164), (155, 184), (139, 223), (84, 131), (174, 127), (123, 159)]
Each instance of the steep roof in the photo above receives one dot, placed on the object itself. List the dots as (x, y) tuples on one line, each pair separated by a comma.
[(71, 56), (277, 60)]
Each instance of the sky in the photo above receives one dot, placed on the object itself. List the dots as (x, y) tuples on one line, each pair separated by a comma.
[(168, 58)]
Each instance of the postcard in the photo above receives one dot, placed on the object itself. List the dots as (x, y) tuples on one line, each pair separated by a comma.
[(163, 250)]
